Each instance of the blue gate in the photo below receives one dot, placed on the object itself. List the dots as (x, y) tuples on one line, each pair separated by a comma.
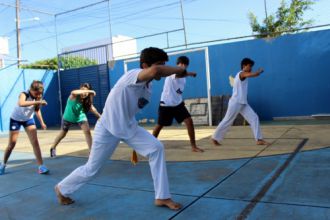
[(97, 76)]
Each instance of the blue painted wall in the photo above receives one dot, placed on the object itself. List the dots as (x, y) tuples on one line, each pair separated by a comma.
[(296, 81), (296, 78), (14, 81)]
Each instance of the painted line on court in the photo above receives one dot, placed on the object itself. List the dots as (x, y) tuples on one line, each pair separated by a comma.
[(268, 202), (18, 191), (229, 175), (223, 180), (248, 209)]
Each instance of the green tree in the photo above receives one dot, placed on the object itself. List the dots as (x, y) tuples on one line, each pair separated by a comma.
[(287, 19), (68, 62)]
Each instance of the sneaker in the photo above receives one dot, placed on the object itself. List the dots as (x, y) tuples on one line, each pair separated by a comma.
[(43, 169), (52, 152), (2, 168)]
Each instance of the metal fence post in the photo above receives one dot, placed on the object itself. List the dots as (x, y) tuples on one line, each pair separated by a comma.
[(1, 127)]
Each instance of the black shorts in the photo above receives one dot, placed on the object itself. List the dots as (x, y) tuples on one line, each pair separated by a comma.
[(167, 113), (66, 125)]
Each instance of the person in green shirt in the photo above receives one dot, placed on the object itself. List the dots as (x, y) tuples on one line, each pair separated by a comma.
[(79, 103)]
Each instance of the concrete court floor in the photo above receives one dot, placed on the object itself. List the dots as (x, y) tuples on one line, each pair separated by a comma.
[(288, 179)]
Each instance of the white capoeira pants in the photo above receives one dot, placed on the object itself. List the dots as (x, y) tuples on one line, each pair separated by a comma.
[(104, 144), (233, 109)]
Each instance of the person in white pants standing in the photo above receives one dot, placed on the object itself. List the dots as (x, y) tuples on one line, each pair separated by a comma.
[(238, 104), (117, 123)]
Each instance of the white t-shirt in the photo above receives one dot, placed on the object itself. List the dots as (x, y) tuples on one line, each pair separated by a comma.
[(240, 89), (172, 91), (125, 99), (24, 113)]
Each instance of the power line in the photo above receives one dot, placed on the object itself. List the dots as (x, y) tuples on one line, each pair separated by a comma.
[(4, 9), (8, 34), (81, 14), (40, 3), (26, 8), (104, 21), (40, 23), (197, 19), (149, 9), (217, 40), (82, 7), (137, 16), (121, 18), (134, 15), (53, 36), (42, 45), (130, 16)]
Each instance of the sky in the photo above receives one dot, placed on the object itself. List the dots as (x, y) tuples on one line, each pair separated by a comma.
[(204, 20)]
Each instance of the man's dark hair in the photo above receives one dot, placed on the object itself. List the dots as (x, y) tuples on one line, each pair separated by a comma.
[(246, 61), (183, 59), (152, 55)]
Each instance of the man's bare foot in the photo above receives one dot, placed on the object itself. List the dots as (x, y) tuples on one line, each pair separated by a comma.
[(215, 142), (196, 149), (262, 142), (168, 203), (62, 199)]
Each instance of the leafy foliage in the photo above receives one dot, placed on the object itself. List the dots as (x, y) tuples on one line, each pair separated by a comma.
[(288, 19), (69, 62)]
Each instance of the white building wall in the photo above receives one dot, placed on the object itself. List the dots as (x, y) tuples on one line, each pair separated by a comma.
[(122, 47), (4, 50)]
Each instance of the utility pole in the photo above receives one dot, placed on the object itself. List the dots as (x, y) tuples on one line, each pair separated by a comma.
[(265, 4), (18, 34), (183, 24), (110, 57)]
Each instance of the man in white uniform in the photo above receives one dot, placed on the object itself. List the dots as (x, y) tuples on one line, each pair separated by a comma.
[(238, 104), (117, 123), (172, 106)]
